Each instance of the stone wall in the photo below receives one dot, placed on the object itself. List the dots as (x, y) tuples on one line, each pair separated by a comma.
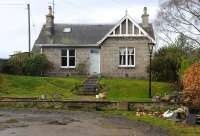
[(54, 56), (110, 57), (90, 105)]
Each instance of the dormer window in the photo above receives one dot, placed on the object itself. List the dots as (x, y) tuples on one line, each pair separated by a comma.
[(67, 30)]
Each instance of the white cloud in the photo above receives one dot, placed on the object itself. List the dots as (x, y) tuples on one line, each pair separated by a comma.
[(13, 24)]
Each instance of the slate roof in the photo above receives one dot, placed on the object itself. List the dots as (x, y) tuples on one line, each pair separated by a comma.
[(80, 35), (149, 30)]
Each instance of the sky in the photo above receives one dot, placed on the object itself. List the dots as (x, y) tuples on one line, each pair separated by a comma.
[(14, 20)]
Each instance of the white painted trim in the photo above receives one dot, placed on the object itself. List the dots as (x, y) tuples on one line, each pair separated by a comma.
[(41, 50), (133, 23), (134, 57), (68, 67), (126, 55), (126, 26), (120, 29), (126, 66), (64, 45), (129, 35), (99, 61), (67, 59)]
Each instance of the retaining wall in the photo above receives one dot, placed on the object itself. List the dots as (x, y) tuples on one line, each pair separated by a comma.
[(89, 105)]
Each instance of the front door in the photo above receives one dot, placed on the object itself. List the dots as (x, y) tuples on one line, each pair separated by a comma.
[(94, 61)]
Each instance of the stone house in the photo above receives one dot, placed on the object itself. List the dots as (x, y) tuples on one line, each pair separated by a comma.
[(118, 50)]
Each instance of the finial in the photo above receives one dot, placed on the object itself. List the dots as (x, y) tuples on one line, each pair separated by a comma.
[(126, 12)]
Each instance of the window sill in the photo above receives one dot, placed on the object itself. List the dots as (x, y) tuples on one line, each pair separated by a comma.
[(125, 66), (68, 67)]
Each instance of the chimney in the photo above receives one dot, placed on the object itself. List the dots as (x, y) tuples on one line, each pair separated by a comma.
[(49, 22), (145, 18)]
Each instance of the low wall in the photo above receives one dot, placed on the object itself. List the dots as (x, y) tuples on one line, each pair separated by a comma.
[(89, 105), (151, 106)]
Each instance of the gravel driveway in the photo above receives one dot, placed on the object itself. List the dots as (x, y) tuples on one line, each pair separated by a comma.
[(46, 123)]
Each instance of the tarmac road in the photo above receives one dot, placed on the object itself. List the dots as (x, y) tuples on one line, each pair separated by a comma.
[(52, 123)]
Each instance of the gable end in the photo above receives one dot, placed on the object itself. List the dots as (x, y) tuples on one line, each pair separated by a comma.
[(127, 27)]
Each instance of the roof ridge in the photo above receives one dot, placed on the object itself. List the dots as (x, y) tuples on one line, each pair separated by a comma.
[(84, 23)]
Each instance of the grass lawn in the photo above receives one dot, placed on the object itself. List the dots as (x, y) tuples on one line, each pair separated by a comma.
[(133, 90), (174, 128), (28, 86), (118, 89)]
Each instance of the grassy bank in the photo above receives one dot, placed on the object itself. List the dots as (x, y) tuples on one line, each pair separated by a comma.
[(28, 86), (118, 89), (174, 128), (127, 89)]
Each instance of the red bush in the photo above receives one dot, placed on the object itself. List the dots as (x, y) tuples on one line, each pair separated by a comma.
[(191, 85)]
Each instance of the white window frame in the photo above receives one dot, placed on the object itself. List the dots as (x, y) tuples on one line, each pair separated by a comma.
[(68, 59), (126, 57)]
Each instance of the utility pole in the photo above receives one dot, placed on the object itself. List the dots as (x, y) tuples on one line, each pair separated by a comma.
[(53, 7), (29, 29)]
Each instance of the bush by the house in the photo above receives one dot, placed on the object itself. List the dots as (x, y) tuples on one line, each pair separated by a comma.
[(170, 62), (81, 68), (166, 63), (36, 64), (2, 63), (27, 64), (15, 64)]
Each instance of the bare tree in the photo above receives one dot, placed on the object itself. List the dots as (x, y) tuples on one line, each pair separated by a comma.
[(179, 16)]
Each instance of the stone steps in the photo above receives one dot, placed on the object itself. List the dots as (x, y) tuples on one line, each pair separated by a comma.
[(90, 86)]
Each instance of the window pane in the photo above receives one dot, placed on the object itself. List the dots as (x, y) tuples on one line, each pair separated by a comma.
[(71, 61), (130, 51), (71, 52), (64, 61), (131, 60), (94, 51), (122, 60), (64, 53), (122, 51), (122, 56)]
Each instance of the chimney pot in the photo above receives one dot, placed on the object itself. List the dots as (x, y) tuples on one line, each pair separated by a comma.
[(50, 11)]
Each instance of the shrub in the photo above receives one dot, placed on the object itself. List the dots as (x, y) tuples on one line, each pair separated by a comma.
[(81, 68), (27, 64), (165, 64), (2, 63), (15, 64), (170, 62), (191, 85), (36, 64)]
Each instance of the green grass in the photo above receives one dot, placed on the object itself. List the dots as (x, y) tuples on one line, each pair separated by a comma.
[(174, 128), (133, 90), (118, 89), (28, 86)]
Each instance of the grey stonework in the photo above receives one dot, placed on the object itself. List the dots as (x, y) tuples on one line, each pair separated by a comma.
[(110, 57), (54, 56)]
